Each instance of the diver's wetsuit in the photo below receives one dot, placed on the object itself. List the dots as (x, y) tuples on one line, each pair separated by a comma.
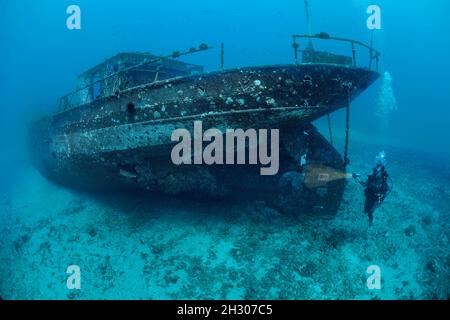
[(376, 188)]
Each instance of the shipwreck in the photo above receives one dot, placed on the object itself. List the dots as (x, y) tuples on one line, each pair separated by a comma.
[(114, 131)]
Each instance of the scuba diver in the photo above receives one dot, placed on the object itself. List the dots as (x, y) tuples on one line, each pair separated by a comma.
[(376, 186)]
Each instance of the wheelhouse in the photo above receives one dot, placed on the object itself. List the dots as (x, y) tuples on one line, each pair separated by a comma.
[(121, 72)]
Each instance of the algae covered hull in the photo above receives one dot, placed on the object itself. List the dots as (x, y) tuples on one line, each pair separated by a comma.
[(123, 141)]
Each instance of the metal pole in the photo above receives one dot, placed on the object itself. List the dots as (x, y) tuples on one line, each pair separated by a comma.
[(329, 129), (295, 46), (354, 54), (377, 61), (371, 51), (308, 22), (347, 133), (222, 56)]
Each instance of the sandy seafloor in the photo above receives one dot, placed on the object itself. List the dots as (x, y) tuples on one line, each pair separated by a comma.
[(162, 248)]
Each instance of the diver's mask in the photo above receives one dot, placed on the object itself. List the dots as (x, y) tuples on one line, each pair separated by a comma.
[(380, 159)]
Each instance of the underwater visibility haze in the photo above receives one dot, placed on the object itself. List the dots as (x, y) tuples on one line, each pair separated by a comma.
[(201, 149)]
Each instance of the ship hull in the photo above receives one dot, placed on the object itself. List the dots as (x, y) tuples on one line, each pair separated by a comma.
[(123, 142)]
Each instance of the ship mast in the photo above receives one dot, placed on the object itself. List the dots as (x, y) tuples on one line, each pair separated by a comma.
[(308, 22)]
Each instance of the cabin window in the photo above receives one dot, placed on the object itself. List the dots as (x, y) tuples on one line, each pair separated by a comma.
[(96, 87)]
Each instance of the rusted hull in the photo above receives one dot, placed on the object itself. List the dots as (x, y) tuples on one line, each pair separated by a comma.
[(143, 171)]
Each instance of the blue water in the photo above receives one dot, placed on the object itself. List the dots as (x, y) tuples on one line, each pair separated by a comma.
[(40, 58)]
